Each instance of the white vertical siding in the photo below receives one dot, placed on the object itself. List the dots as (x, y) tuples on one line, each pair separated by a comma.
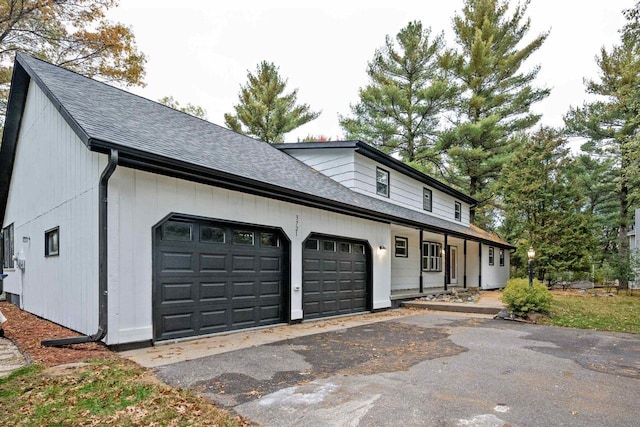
[(433, 279), (139, 200), (55, 184)]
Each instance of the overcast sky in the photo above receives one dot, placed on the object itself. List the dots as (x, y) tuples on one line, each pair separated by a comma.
[(199, 51)]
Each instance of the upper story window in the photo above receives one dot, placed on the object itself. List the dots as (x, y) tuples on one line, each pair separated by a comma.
[(458, 211), (427, 199), (382, 182), (7, 246), (491, 256), (402, 247), (501, 257)]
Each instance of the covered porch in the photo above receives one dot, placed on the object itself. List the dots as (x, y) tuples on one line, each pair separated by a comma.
[(425, 262)]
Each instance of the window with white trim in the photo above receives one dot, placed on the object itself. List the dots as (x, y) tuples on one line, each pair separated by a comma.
[(7, 246), (402, 247), (431, 256), (491, 256), (501, 257), (382, 182), (427, 202)]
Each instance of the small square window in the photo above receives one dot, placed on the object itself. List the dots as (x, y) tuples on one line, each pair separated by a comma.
[(427, 203), (358, 248), (52, 242), (311, 244), (501, 257), (458, 211), (328, 246), (382, 182), (402, 247), (345, 247), (269, 240), (491, 256), (177, 231), (211, 234)]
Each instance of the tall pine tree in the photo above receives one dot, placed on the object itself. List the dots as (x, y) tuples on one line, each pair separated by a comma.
[(612, 126), (400, 109), (496, 95), (266, 112)]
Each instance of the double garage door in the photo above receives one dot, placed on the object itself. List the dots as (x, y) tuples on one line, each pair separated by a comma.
[(213, 276)]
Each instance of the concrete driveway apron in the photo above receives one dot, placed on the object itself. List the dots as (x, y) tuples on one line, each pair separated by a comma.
[(427, 369)]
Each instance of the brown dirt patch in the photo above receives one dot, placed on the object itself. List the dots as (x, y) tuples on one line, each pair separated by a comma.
[(27, 331)]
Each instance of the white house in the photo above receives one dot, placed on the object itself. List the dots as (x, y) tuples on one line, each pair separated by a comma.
[(133, 223)]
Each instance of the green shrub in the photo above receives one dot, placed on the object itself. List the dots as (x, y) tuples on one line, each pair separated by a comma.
[(522, 299)]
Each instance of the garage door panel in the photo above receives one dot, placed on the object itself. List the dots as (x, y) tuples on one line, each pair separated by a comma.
[(178, 323), (311, 265), (213, 292), (217, 283), (360, 266), (270, 289), (213, 320), (346, 265), (213, 263), (177, 262), (329, 266), (270, 264), (176, 293), (243, 263)]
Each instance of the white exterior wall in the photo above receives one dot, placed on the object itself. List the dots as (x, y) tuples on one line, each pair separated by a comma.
[(336, 163), (405, 272), (139, 200), (494, 276), (473, 264), (406, 191), (54, 184), (358, 173)]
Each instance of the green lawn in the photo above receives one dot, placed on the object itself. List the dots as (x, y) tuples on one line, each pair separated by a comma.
[(113, 392), (619, 313)]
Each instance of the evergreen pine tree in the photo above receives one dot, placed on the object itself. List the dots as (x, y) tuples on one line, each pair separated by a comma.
[(496, 95), (400, 109), (266, 112)]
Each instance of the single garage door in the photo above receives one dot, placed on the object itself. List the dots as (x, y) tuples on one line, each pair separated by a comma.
[(215, 276), (335, 277)]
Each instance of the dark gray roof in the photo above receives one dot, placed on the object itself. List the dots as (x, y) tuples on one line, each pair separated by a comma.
[(155, 137)]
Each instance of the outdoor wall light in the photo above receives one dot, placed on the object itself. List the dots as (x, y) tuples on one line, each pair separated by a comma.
[(382, 248), (26, 239)]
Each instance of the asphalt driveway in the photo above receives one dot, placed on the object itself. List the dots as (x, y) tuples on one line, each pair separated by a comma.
[(427, 369)]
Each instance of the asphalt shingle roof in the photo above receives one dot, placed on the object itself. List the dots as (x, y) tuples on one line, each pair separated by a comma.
[(114, 116)]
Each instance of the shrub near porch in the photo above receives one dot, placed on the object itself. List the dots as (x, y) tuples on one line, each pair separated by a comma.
[(522, 299)]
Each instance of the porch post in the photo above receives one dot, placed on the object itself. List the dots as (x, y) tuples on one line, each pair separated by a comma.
[(446, 261), (480, 265), (420, 261), (464, 277)]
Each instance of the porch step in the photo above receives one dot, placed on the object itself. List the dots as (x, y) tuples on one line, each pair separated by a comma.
[(459, 308), (489, 303)]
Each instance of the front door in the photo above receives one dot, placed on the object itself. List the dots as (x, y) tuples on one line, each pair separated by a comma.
[(453, 263)]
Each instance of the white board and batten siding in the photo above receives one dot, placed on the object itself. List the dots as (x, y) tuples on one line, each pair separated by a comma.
[(405, 271), (54, 184), (139, 200)]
